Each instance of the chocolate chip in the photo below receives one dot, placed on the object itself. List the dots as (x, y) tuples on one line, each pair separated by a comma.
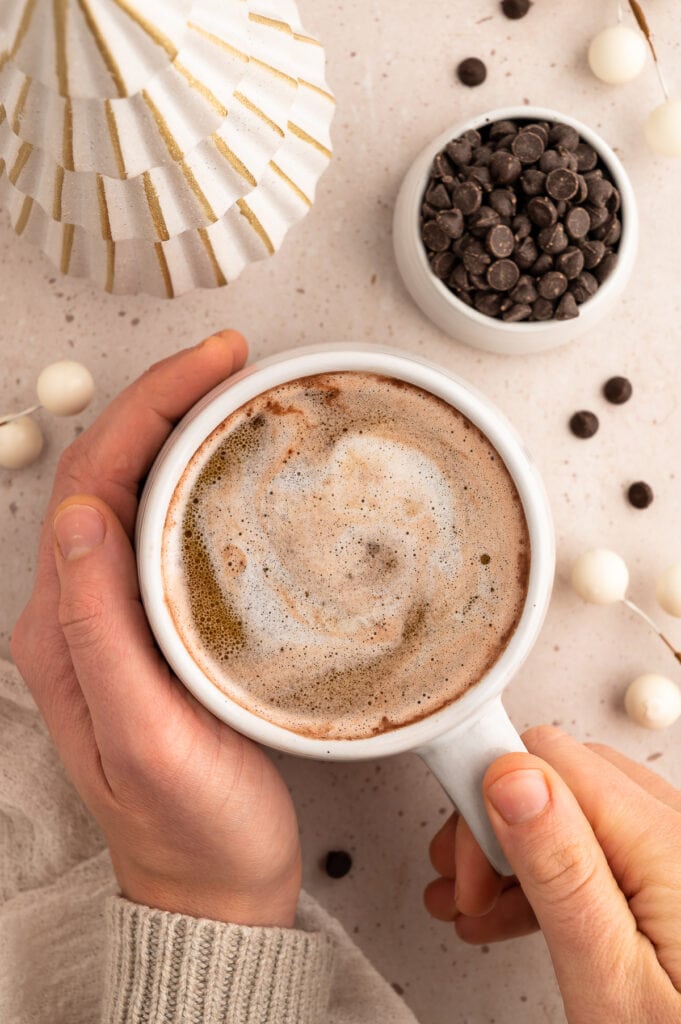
[(584, 286), (442, 264), (515, 8), (542, 309), (600, 190), (503, 275), (593, 253), (613, 203), (552, 159), (532, 181), (442, 168), (577, 222), (640, 494), (472, 71), (483, 219), (438, 197), (564, 135), (475, 258), (467, 196), (503, 201), (522, 226), (488, 303), (552, 285), (524, 292), (598, 216), (520, 311), (337, 863), (542, 265), (587, 158), (428, 212), (500, 241), (500, 128), (617, 390), (553, 240), (606, 266), (451, 222), (505, 167), (483, 155), (542, 211), (612, 232), (584, 424), (434, 237), (481, 176), (459, 279), (570, 262), (567, 308), (527, 146), (526, 253), (459, 151), (562, 183)]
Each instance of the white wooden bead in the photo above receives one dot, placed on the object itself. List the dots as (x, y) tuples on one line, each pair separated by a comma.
[(21, 442), (663, 129), (600, 576), (653, 701), (617, 54), (65, 388), (668, 590)]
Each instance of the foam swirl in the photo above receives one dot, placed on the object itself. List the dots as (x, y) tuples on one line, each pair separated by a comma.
[(345, 554)]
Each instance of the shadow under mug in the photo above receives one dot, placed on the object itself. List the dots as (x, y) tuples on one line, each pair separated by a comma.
[(461, 740)]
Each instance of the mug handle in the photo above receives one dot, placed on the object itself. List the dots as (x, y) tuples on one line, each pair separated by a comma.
[(459, 760)]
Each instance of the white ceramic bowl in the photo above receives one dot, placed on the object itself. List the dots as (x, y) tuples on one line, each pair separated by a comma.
[(461, 321)]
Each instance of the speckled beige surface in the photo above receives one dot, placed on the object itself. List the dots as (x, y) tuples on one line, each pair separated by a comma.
[(391, 67)]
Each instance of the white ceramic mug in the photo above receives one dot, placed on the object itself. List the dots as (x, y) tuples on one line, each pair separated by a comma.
[(460, 741)]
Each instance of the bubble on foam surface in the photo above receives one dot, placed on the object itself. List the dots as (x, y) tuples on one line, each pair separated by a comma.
[(327, 569)]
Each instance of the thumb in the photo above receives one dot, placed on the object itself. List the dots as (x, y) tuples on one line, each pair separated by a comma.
[(590, 931), (126, 683)]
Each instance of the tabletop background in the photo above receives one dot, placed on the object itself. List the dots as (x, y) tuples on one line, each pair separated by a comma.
[(391, 67)]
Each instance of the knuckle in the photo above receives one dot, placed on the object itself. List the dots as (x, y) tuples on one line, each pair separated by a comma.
[(75, 467), (83, 620), (567, 874)]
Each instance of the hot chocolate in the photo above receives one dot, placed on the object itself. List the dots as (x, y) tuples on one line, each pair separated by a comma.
[(345, 554)]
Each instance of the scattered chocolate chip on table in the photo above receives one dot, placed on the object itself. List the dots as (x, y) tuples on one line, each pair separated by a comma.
[(472, 71), (617, 390), (515, 8), (337, 863), (584, 423), (640, 494)]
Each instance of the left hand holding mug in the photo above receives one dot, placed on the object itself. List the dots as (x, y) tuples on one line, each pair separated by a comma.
[(595, 843), (197, 819)]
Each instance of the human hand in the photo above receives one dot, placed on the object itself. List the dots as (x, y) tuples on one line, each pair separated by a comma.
[(197, 819), (595, 842)]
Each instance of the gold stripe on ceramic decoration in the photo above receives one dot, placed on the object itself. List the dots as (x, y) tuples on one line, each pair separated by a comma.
[(67, 247), (104, 51), (24, 25), (281, 26), (202, 89), (21, 103), (315, 88), (151, 30), (61, 13), (208, 246), (165, 272), (247, 212), (306, 39), (115, 138), (20, 162), (26, 208), (244, 100), (104, 219), (58, 192), (208, 210), (233, 159), (164, 131), (301, 134), (216, 41), (110, 265), (67, 136), (291, 184), (154, 205), (274, 71)]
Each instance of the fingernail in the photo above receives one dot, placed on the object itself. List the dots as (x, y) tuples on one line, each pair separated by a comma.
[(79, 529), (520, 796)]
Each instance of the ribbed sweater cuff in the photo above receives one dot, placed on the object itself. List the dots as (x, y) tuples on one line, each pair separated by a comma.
[(167, 968)]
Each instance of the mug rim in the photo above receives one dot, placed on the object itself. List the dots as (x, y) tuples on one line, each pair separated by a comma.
[(293, 364)]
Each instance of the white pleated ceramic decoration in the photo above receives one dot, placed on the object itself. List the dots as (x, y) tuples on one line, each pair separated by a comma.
[(159, 145)]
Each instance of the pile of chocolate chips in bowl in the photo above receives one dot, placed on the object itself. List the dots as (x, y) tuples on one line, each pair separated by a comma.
[(520, 220)]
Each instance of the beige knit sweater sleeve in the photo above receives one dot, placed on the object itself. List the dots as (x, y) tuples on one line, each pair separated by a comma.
[(72, 951)]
